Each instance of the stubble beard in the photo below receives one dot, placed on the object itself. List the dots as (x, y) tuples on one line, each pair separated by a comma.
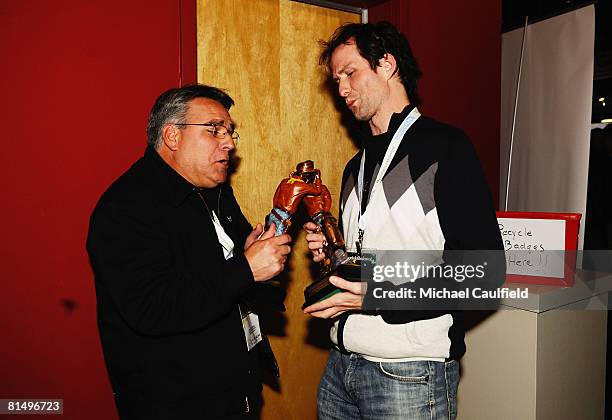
[(361, 113)]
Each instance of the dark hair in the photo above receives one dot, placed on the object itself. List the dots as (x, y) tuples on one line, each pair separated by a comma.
[(373, 41), (171, 107)]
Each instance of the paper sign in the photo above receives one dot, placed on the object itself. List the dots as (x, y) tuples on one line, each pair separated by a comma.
[(534, 247)]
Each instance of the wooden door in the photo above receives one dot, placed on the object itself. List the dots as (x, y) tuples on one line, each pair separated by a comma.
[(265, 54)]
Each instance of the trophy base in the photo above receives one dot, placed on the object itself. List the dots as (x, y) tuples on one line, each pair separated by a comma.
[(321, 289)]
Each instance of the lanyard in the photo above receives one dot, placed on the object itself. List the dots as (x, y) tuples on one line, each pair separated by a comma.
[(389, 155), (224, 239)]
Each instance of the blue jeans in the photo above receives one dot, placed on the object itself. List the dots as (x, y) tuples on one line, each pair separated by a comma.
[(355, 388)]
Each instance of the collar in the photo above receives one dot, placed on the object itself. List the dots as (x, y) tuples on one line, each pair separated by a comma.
[(377, 145), (397, 118), (171, 186)]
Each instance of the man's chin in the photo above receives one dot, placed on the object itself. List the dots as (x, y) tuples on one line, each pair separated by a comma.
[(216, 180), (222, 177), (360, 116)]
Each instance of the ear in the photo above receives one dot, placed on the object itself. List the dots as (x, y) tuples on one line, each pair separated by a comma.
[(171, 136), (388, 65)]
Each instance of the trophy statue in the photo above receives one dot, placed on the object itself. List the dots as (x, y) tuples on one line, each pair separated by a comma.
[(304, 184), (305, 180)]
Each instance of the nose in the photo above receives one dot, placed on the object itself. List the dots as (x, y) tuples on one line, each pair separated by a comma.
[(343, 87), (227, 143)]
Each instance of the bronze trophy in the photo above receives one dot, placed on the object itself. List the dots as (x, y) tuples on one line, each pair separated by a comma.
[(304, 184)]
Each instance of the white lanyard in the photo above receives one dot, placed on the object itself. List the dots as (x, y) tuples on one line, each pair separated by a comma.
[(391, 150), (224, 239)]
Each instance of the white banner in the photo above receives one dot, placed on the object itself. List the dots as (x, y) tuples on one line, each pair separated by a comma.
[(553, 121)]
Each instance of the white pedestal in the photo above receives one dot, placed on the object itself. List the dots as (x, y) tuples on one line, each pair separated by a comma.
[(539, 358)]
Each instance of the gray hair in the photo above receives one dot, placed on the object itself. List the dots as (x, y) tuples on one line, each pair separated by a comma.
[(172, 105)]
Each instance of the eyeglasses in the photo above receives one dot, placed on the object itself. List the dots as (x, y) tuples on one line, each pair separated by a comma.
[(218, 130)]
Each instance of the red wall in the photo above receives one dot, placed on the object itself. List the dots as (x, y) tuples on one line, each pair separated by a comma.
[(458, 46), (77, 80)]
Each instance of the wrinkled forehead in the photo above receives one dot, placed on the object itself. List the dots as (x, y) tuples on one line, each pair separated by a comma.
[(208, 110), (343, 56)]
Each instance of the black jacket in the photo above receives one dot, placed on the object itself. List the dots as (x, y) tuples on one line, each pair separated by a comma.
[(167, 299)]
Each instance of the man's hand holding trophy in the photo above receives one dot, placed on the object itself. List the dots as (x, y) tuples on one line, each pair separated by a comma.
[(305, 185)]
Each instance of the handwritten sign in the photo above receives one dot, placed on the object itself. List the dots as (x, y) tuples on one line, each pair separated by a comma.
[(534, 247)]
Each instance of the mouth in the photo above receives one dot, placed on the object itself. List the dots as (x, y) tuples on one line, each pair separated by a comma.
[(350, 102), (224, 162)]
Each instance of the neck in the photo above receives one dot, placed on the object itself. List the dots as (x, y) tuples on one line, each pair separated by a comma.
[(168, 157), (379, 123)]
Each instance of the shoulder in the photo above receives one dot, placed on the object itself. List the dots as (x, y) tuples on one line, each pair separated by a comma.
[(439, 132), (351, 172), (439, 139), (354, 161), (352, 166), (132, 190)]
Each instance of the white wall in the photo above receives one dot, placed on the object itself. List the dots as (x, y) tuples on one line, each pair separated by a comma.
[(553, 120)]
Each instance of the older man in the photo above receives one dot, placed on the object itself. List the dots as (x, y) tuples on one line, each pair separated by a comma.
[(416, 185), (178, 270)]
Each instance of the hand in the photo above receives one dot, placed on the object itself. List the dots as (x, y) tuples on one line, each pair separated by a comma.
[(253, 236), (351, 299), (267, 255), (316, 241)]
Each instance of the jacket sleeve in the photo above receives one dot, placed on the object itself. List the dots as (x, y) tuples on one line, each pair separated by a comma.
[(467, 218), (261, 297), (136, 270)]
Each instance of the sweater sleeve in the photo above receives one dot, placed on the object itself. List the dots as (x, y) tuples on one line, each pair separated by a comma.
[(136, 269), (463, 200)]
